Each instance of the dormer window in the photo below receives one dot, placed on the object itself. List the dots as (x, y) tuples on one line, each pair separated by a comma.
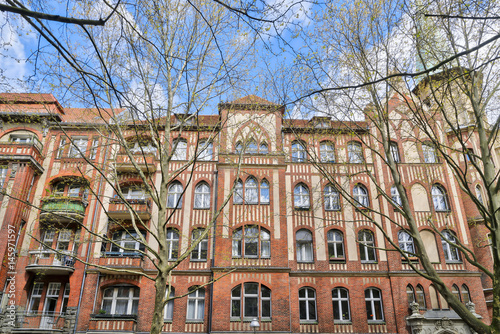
[(251, 147)]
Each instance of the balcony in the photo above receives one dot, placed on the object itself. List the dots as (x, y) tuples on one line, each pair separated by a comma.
[(145, 162), (51, 263), (31, 152), (118, 209), (47, 322), (63, 210)]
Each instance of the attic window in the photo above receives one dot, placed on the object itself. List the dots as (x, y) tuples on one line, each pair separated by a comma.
[(322, 125)]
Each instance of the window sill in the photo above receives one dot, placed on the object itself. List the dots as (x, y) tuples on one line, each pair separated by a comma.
[(115, 316), (308, 322), (198, 260), (302, 208), (307, 262), (376, 322), (195, 321), (453, 262), (167, 321), (342, 322), (443, 211), (342, 260), (201, 208), (333, 210), (120, 254), (369, 262)]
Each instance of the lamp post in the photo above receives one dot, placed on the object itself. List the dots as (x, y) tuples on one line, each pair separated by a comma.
[(254, 324)]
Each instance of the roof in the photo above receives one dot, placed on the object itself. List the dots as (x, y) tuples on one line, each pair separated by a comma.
[(334, 125), (89, 115), (30, 103), (253, 99)]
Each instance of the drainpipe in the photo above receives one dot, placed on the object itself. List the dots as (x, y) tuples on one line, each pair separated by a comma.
[(90, 244), (215, 187)]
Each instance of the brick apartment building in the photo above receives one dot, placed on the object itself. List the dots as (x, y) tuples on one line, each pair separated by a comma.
[(301, 255)]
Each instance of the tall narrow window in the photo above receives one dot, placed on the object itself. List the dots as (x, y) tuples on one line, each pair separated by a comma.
[(307, 304), (360, 196), (64, 305), (93, 150), (393, 147), (180, 146), (264, 192), (196, 304), (172, 243), (3, 175), (355, 153), (301, 197), (366, 246), (251, 191), (451, 253), (169, 307), (238, 193), (202, 196), (251, 147), (121, 300), (62, 146), (199, 252), (340, 299), (51, 298), (126, 243), (456, 291), (298, 152), (429, 151), (410, 293), (174, 197), (251, 241), (238, 147), (332, 198), (263, 148), (395, 196), (373, 300), (335, 245), (35, 298), (465, 294), (304, 246), (406, 243), (326, 152), (479, 194), (421, 297), (439, 198), (206, 149), (251, 300)]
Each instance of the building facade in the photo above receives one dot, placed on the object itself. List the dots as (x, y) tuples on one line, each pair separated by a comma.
[(287, 249)]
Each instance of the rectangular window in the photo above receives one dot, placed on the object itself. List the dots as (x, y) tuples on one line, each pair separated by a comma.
[(78, 147), (62, 146), (93, 152), (36, 295), (3, 175)]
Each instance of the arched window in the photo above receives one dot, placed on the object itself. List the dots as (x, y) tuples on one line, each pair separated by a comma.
[(393, 146), (238, 193), (206, 149), (374, 309), (251, 191), (199, 252), (307, 304), (196, 304), (355, 152), (332, 198), (406, 243), (180, 146), (174, 197), (451, 253), (465, 294), (264, 192), (434, 297), (246, 303), (360, 195), (299, 153), (301, 196), (251, 147), (126, 243), (429, 151), (456, 291), (421, 297), (202, 196), (439, 198), (335, 245), (326, 152), (169, 307), (172, 243), (263, 149), (479, 194), (304, 246), (120, 300), (395, 196), (410, 293), (251, 241), (340, 300), (366, 246)]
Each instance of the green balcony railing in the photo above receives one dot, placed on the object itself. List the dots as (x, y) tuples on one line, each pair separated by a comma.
[(65, 204)]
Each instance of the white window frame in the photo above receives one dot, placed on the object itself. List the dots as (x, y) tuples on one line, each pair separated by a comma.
[(332, 198), (339, 303), (264, 192), (200, 251), (202, 196), (78, 147), (394, 149), (326, 152), (451, 253), (429, 151), (305, 302), (334, 239), (206, 149), (251, 191), (172, 243), (299, 152), (406, 243), (131, 299), (180, 152), (396, 198), (196, 299), (168, 314), (367, 246), (355, 152), (36, 295), (360, 196), (174, 196), (439, 198), (370, 301), (251, 234), (305, 249), (238, 193), (301, 198)]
